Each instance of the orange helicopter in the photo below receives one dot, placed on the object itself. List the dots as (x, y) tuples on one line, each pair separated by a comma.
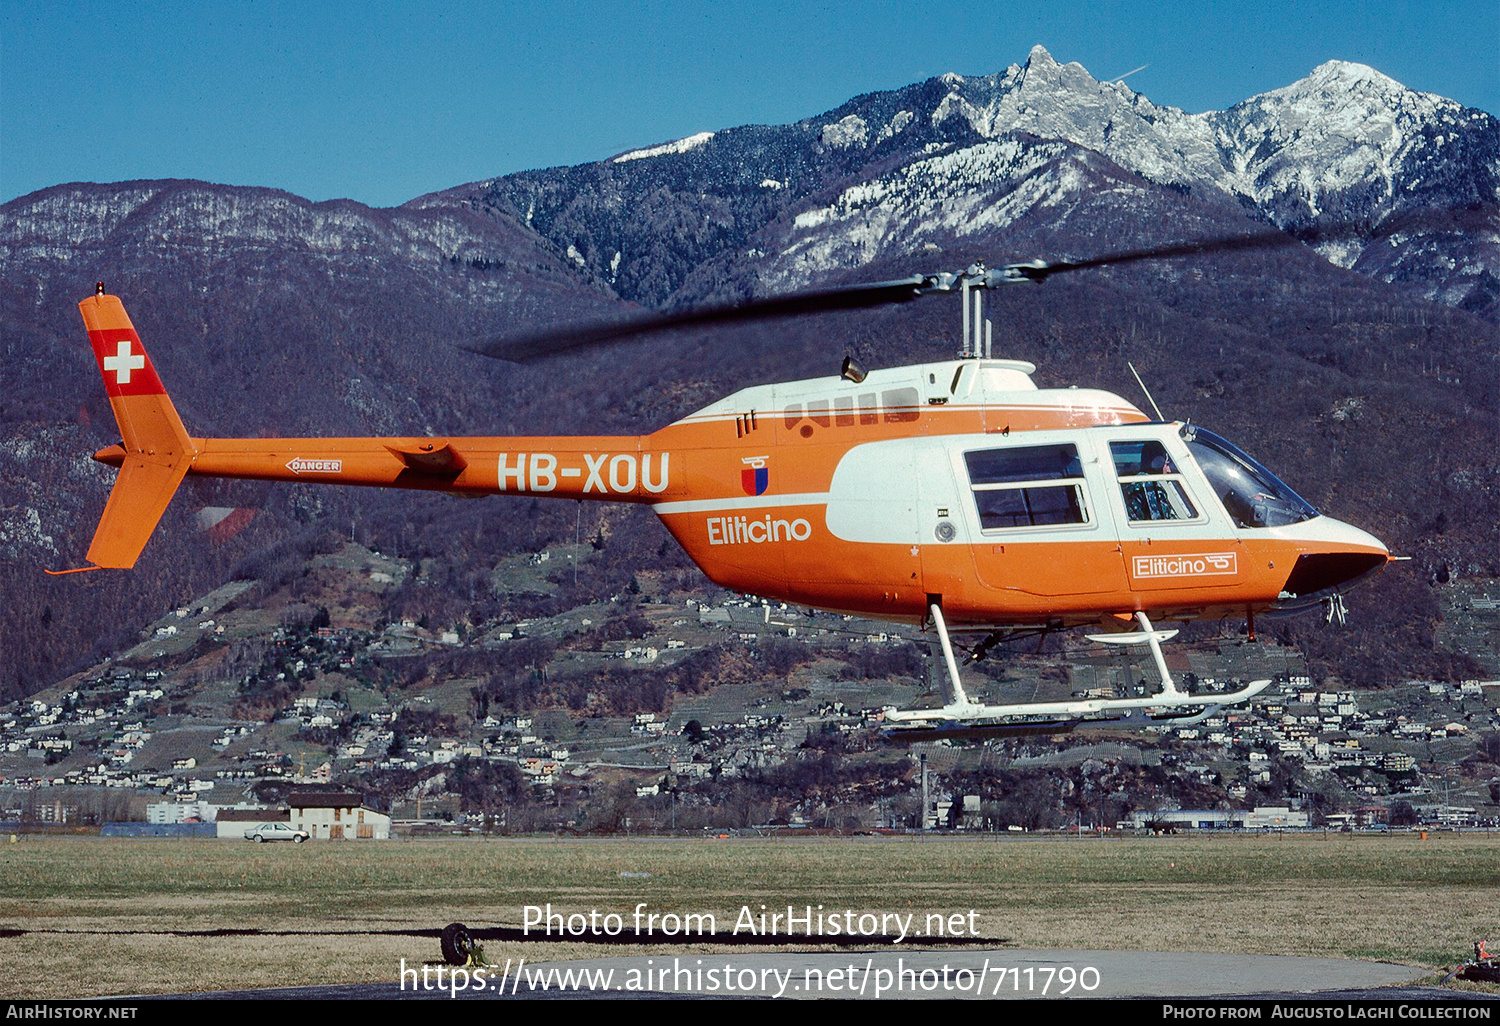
[(954, 495)]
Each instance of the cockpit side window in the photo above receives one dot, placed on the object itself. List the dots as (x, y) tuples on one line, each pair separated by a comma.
[(1150, 483), (1027, 486), (1137, 459), (1252, 495)]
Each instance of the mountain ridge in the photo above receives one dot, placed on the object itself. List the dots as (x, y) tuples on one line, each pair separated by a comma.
[(1384, 154)]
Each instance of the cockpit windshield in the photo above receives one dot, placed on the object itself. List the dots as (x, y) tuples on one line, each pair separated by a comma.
[(1252, 495)]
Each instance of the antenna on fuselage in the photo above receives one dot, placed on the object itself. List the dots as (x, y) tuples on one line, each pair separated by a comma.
[(1146, 390)]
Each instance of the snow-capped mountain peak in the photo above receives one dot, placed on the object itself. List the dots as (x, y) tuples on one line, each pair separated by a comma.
[(1346, 143), (898, 171)]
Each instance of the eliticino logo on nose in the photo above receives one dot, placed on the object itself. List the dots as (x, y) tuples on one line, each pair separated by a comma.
[(1194, 564)]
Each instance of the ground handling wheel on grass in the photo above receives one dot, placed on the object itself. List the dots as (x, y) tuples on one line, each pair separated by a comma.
[(1484, 969), (457, 943)]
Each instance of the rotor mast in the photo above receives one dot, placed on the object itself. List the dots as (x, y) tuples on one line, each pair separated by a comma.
[(978, 333)]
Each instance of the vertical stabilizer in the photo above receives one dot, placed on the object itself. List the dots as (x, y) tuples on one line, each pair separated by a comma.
[(157, 449)]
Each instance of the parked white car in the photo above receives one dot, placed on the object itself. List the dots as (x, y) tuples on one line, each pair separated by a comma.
[(275, 832)]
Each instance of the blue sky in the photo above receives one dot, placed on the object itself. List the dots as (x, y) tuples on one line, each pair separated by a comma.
[(381, 102)]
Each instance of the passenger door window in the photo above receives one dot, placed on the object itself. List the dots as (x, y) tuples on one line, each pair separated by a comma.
[(1027, 486)]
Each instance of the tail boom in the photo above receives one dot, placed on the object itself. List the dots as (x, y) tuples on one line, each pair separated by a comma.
[(608, 468), (156, 452)]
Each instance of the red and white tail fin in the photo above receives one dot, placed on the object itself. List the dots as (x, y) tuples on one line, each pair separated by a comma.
[(155, 451)]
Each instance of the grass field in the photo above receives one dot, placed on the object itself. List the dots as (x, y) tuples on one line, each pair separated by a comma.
[(90, 916)]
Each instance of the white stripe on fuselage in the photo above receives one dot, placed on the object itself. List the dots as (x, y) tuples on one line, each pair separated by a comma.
[(1119, 412), (744, 502)]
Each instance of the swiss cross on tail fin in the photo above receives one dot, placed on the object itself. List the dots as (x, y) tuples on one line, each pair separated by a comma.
[(123, 362), (122, 359)]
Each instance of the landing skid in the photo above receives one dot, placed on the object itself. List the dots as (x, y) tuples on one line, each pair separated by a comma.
[(959, 712)]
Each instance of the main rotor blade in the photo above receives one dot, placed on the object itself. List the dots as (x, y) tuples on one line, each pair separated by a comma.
[(1260, 240), (554, 341), (1274, 238)]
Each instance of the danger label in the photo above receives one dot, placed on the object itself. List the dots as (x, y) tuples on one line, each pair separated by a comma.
[(302, 465)]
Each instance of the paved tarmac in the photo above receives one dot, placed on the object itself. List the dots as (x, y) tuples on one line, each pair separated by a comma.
[(971, 974), (889, 975)]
